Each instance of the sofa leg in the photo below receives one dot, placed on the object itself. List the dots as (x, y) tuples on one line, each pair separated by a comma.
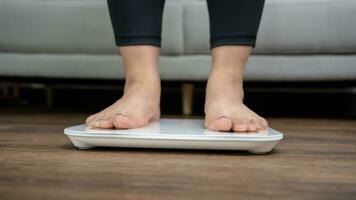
[(187, 98), (4, 90), (49, 96), (16, 92), (9, 90)]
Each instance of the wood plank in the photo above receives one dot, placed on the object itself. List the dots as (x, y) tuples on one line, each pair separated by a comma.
[(316, 160)]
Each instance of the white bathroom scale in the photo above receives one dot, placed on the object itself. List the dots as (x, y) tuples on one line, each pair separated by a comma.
[(173, 134)]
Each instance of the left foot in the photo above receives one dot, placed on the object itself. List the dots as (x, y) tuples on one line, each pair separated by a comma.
[(224, 107)]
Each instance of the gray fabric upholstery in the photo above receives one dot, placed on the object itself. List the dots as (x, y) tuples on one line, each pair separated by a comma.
[(287, 26), (190, 67), (55, 27), (308, 26), (298, 40), (72, 27)]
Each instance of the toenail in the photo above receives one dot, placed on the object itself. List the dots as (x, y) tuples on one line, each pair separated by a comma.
[(222, 117), (121, 115)]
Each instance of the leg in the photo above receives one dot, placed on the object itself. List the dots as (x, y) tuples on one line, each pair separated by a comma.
[(233, 25), (234, 22), (137, 28), (136, 22)]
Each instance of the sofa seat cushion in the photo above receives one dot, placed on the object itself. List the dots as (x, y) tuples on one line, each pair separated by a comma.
[(190, 67)]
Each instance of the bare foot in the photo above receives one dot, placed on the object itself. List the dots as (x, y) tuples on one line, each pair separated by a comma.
[(140, 103), (136, 108), (224, 108)]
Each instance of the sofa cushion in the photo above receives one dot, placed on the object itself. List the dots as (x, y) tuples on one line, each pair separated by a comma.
[(287, 26), (190, 67), (76, 26)]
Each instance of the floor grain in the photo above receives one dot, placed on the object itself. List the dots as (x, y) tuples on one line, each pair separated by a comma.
[(316, 160)]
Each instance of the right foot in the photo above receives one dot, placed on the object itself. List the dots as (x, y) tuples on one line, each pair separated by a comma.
[(136, 108), (140, 103)]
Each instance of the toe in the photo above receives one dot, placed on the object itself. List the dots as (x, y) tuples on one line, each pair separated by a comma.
[(98, 121), (240, 126), (252, 126), (120, 121), (90, 119), (264, 122), (94, 124), (220, 124), (260, 125), (105, 123)]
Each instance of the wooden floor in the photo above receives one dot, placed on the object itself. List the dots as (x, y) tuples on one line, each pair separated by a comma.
[(316, 160)]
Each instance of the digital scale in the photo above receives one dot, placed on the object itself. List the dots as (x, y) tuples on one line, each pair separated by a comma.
[(173, 134)]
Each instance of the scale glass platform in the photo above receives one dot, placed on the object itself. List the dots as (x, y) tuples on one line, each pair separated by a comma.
[(173, 134)]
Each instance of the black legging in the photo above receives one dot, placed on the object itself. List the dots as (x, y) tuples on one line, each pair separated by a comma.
[(232, 22)]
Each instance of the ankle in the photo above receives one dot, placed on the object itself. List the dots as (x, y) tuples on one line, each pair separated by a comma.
[(228, 74), (226, 78), (143, 80), (149, 84), (222, 83)]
